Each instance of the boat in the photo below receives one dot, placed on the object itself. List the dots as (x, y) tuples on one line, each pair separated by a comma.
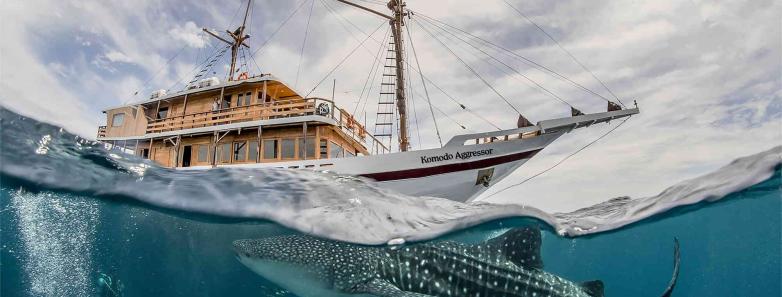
[(259, 121)]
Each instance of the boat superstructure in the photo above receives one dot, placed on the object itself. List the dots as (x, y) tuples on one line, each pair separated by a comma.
[(258, 121)]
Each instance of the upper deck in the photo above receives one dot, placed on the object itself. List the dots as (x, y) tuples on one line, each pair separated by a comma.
[(255, 101)]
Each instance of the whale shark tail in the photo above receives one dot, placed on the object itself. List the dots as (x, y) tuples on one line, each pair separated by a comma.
[(676, 260)]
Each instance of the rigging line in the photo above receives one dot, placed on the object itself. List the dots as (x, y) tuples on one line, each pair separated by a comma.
[(304, 42), (423, 82), (344, 59), (165, 65), (197, 66), (410, 87), (564, 50), (464, 107), (374, 77), (545, 90), (558, 163), (266, 42), (521, 58), (468, 67), (375, 63)]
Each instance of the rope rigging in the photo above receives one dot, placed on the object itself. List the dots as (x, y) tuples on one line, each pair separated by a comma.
[(564, 50), (512, 54), (304, 42), (462, 106), (469, 67), (559, 162), (423, 82), (514, 70)]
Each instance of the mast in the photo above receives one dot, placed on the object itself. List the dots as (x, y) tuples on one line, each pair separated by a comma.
[(238, 37), (396, 21)]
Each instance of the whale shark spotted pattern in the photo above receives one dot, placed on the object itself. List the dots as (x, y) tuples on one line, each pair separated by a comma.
[(509, 265)]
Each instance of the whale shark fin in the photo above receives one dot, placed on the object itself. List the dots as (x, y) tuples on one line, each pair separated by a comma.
[(383, 288), (593, 288), (521, 246)]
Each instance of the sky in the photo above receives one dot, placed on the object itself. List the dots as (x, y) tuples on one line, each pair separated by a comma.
[(705, 74)]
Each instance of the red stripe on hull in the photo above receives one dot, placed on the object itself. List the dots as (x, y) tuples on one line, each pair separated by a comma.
[(442, 169)]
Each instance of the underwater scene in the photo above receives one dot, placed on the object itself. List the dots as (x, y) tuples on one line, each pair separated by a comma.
[(80, 218)]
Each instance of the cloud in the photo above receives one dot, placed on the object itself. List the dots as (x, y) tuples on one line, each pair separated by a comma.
[(115, 56), (190, 34)]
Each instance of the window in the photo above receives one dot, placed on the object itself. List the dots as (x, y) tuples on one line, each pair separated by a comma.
[(247, 98), (253, 152), (288, 148), (335, 151), (117, 120), (226, 102), (310, 148), (239, 99), (240, 151), (162, 113), (270, 149), (349, 154), (225, 153), (145, 153), (324, 149), (203, 153)]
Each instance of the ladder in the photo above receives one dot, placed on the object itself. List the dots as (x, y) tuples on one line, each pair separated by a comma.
[(386, 110), (208, 66)]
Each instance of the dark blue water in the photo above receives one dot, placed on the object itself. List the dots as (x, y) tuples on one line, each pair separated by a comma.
[(66, 242)]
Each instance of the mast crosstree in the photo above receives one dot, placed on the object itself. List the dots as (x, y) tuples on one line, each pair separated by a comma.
[(238, 38)]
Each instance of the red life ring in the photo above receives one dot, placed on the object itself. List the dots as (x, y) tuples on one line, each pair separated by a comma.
[(243, 76)]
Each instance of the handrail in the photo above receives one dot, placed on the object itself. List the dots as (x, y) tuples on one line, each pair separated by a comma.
[(266, 110)]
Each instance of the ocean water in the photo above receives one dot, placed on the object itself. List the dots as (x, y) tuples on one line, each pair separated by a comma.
[(79, 218)]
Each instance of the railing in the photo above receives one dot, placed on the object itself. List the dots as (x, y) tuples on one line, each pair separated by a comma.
[(264, 111), (101, 131)]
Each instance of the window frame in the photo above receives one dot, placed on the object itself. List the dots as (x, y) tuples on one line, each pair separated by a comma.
[(293, 153), (198, 153), (276, 150), (121, 116)]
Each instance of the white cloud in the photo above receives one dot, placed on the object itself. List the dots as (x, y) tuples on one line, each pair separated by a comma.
[(115, 56), (190, 34)]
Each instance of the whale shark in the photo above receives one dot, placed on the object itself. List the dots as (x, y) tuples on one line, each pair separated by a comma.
[(507, 265)]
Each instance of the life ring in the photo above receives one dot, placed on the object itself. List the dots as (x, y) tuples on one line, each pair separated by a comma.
[(243, 75)]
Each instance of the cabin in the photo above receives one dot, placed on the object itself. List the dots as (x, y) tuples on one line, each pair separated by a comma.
[(248, 120)]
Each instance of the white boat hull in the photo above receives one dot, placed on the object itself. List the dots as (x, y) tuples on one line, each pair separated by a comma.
[(456, 170)]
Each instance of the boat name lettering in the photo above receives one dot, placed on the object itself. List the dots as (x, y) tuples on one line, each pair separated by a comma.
[(458, 155)]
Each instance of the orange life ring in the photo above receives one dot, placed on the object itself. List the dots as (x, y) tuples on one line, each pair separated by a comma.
[(242, 76)]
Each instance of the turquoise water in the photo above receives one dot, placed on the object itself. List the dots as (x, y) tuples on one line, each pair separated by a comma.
[(72, 238)]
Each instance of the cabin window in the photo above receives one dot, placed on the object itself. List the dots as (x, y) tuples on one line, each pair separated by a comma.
[(247, 98), (270, 149), (252, 154), (117, 120), (240, 151), (324, 149), (162, 113), (310, 148), (288, 148), (335, 150), (225, 153), (240, 100), (226, 102), (203, 153), (261, 99)]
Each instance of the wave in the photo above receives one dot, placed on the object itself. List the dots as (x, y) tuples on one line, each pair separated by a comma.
[(40, 157)]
